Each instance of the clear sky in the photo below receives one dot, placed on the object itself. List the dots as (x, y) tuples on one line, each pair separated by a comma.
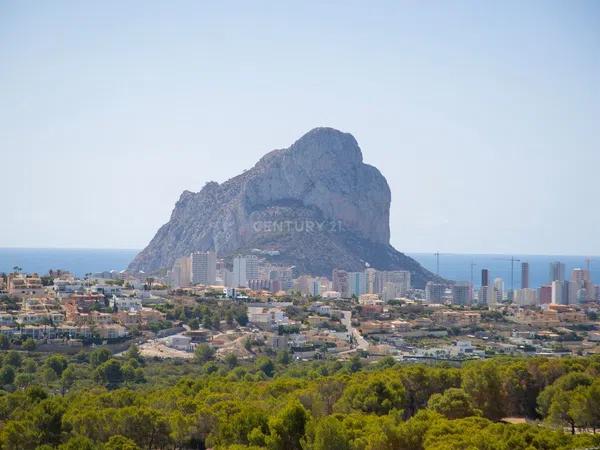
[(483, 116)]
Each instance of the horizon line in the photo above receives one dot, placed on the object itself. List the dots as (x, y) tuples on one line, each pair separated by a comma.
[(419, 252)]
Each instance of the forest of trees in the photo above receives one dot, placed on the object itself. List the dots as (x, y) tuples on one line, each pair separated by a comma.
[(94, 401)]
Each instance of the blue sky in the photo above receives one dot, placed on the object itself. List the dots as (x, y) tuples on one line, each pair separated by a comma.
[(483, 116)]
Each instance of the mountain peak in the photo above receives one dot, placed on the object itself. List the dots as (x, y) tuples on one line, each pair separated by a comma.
[(329, 142), (321, 180)]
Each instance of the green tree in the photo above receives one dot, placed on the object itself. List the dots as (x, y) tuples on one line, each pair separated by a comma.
[(67, 379), (585, 407), (287, 427), (565, 383), (16, 435), (46, 419), (454, 403), (78, 443), (354, 365), (265, 365), (560, 412), (99, 356), (231, 360), (204, 353), (519, 389), (48, 375), (181, 426), (330, 391), (330, 434), (248, 425), (110, 372), (13, 358), (132, 373), (146, 427), (57, 363), (29, 365), (283, 357), (4, 342), (241, 317), (134, 353), (119, 442), (7, 375), (22, 380), (377, 393), (28, 345), (482, 383), (210, 367)]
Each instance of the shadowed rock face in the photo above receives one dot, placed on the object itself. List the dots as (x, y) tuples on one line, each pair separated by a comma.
[(316, 203)]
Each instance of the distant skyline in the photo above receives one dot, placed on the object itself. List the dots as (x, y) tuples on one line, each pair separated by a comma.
[(482, 116)]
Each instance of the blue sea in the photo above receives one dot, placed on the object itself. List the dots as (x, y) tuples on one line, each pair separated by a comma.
[(77, 261), (452, 266)]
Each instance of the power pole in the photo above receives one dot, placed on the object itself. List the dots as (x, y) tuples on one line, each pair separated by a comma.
[(512, 273), (588, 263), (512, 260)]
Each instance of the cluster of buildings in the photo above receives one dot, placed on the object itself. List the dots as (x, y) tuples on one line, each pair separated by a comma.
[(203, 268), (354, 311), (387, 284), (250, 271), (577, 290), (70, 309)]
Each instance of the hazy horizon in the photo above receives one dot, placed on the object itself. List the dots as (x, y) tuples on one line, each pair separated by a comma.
[(418, 252), (482, 117)]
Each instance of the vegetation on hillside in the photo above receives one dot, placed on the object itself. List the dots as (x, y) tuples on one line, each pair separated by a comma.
[(97, 401)]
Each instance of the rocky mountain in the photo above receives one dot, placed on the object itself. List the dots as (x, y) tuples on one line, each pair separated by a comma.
[(314, 205)]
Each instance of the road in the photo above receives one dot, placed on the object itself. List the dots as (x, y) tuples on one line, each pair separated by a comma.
[(361, 342)]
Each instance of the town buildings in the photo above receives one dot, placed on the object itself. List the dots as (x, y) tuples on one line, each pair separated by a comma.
[(557, 271), (245, 268), (462, 294), (434, 292), (524, 275), (181, 274), (204, 268)]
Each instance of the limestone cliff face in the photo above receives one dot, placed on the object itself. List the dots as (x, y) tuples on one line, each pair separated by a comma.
[(316, 203)]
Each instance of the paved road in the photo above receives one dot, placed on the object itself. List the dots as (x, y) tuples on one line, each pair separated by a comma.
[(361, 342)]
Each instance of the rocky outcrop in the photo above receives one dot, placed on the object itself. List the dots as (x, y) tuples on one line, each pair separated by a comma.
[(315, 205)]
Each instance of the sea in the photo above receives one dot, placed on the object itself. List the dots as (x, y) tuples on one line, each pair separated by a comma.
[(451, 266), (78, 261)]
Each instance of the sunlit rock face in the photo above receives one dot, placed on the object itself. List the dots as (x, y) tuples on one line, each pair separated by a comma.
[(314, 205)]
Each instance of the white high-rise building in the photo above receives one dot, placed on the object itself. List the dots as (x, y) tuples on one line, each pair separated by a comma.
[(461, 294), (525, 297), (560, 292), (340, 282), (434, 292), (487, 296), (383, 281), (499, 290), (305, 285), (357, 283), (556, 292), (371, 275), (204, 268), (181, 274), (245, 268), (316, 287)]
